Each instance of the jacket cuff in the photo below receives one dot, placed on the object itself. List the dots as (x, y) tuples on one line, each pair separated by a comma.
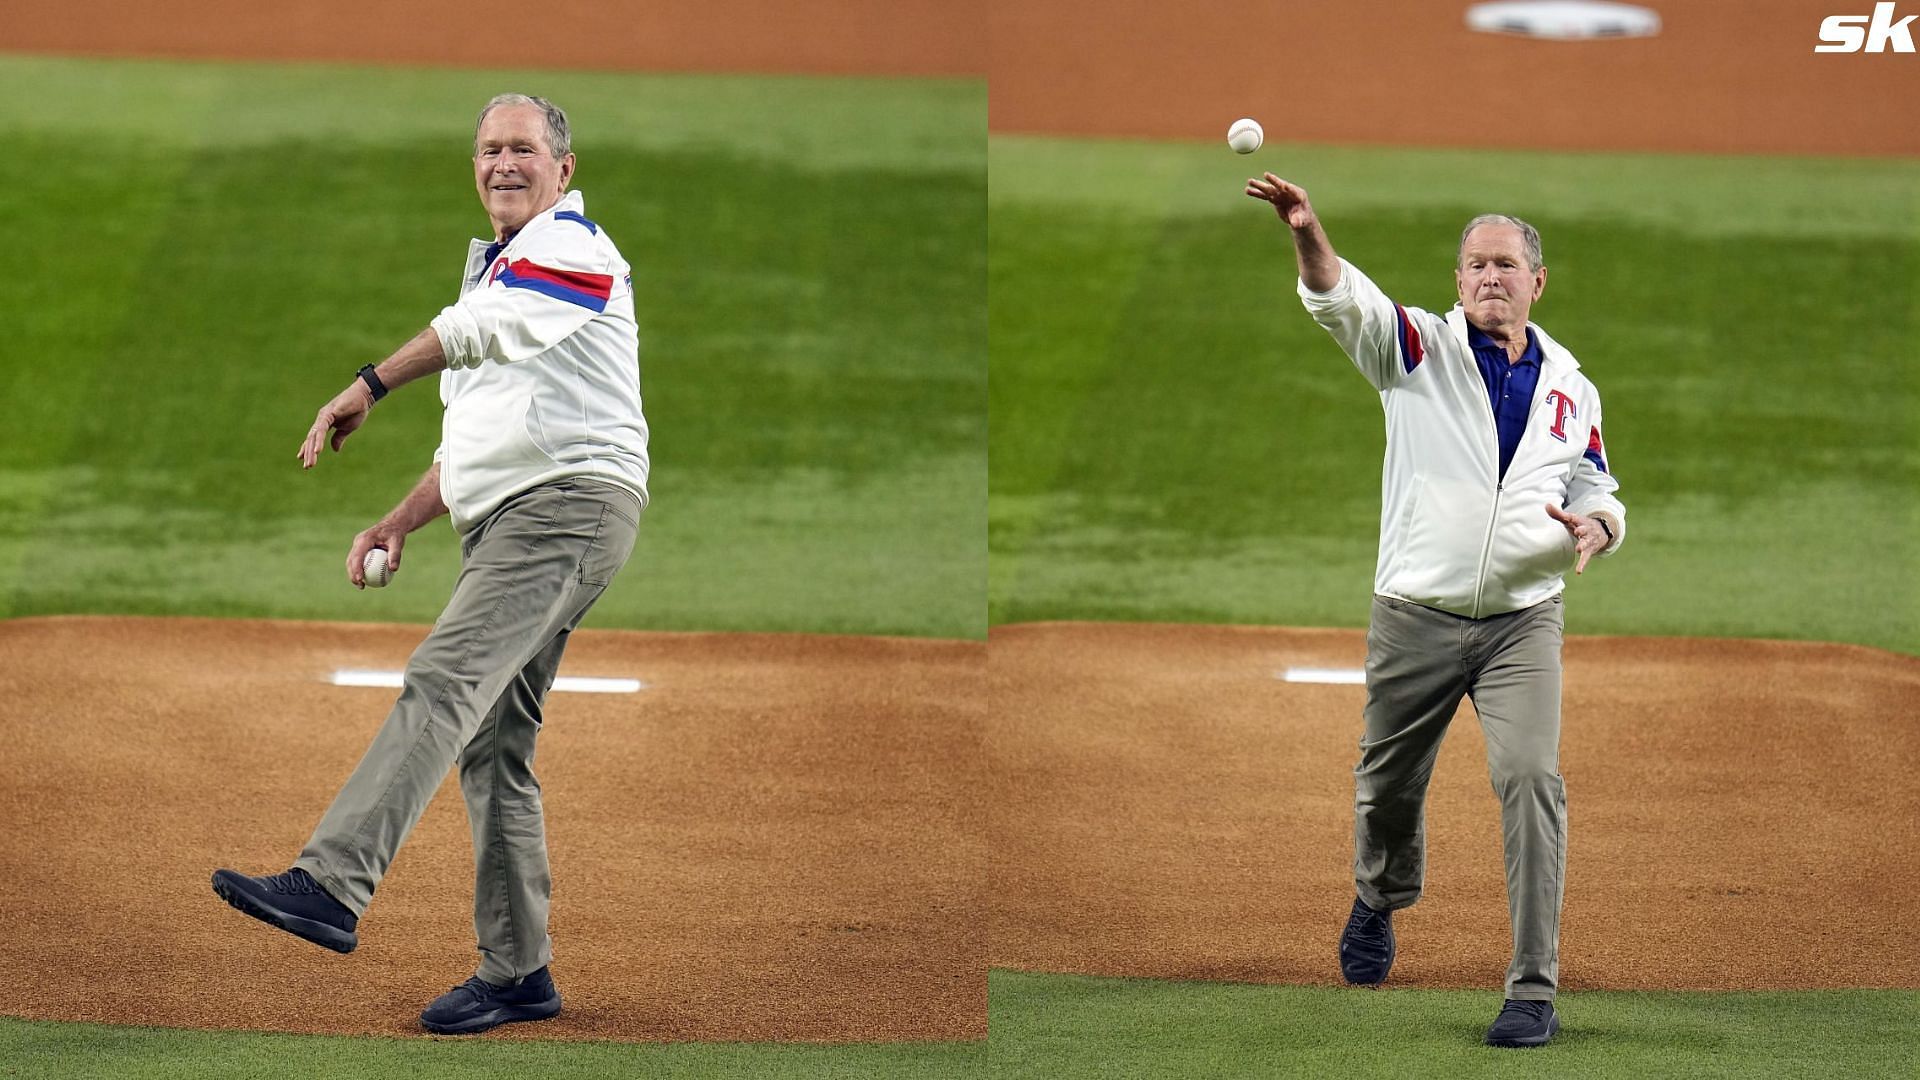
[(1341, 293), (1615, 526)]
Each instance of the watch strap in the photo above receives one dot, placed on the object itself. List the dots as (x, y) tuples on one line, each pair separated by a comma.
[(373, 382)]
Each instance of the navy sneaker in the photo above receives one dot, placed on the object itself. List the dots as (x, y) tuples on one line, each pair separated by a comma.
[(476, 1005), (1366, 946), (294, 902), (1523, 1023)]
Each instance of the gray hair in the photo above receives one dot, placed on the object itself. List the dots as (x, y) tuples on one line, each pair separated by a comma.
[(1529, 236), (559, 138)]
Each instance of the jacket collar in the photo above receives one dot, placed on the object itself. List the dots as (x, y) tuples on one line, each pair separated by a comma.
[(569, 200), (1555, 359)]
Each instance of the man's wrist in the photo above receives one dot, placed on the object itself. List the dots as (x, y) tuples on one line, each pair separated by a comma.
[(371, 380)]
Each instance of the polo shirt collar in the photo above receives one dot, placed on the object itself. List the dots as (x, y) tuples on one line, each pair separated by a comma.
[(1480, 339)]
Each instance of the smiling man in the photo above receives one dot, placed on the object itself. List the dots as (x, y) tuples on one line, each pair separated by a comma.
[(542, 466), (1496, 483)]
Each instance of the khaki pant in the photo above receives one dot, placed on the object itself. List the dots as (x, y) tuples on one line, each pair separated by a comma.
[(1420, 663), (473, 693)]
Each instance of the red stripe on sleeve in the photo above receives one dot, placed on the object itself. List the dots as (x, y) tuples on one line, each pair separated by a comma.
[(1412, 351), (600, 285)]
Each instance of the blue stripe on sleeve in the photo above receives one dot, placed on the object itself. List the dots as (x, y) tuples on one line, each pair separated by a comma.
[(568, 215), (554, 289)]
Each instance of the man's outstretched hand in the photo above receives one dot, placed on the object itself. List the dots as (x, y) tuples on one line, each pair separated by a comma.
[(342, 416), (1289, 200), (1589, 536)]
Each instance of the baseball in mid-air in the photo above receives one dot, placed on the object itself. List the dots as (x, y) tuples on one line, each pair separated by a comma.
[(1245, 135), (376, 568)]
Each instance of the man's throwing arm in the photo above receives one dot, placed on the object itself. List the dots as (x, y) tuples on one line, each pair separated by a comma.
[(1386, 342)]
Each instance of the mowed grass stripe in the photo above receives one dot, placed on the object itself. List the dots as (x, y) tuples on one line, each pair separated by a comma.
[(784, 123), (75, 1051), (1697, 194), (1063, 1027), (813, 362), (1211, 456)]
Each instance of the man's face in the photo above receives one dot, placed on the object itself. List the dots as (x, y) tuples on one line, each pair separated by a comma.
[(1495, 282), (515, 169)]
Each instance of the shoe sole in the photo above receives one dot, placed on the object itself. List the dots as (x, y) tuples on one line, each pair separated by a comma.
[(1528, 1041), (493, 1018), (227, 884)]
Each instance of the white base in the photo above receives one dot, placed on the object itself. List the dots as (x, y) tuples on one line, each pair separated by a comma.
[(1564, 20)]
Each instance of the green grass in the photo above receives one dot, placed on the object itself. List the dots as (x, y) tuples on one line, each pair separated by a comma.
[(63, 1051), (220, 246), (1174, 439), (1063, 1027)]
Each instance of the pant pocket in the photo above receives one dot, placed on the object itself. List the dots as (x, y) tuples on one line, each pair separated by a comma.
[(608, 550)]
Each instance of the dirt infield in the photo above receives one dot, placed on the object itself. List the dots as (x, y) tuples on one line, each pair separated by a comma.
[(780, 838), (1723, 76), (1743, 814), (841, 37)]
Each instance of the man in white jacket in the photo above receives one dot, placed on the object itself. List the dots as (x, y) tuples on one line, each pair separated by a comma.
[(1495, 483), (542, 466)]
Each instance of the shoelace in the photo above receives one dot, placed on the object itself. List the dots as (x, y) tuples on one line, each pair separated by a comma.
[(1535, 1010), (1368, 928), (294, 883), (480, 988)]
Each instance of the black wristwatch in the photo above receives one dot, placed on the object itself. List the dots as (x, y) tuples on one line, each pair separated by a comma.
[(373, 382), (1604, 527)]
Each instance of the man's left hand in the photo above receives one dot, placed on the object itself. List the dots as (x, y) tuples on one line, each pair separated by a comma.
[(1589, 536), (342, 416)]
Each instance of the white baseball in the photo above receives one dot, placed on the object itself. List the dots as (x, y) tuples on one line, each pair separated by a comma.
[(376, 568), (1245, 135)]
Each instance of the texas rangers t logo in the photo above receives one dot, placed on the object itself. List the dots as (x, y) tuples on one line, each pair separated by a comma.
[(1562, 408)]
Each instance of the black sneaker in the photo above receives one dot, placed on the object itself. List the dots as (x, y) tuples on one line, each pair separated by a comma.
[(476, 1005), (294, 902), (1366, 946), (1523, 1023)]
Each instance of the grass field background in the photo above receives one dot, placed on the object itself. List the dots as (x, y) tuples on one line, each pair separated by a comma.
[(1174, 439), (212, 250)]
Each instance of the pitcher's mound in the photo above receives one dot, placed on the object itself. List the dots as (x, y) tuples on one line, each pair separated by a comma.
[(778, 838), (1743, 814)]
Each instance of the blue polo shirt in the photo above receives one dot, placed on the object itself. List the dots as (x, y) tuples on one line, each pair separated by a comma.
[(1510, 387)]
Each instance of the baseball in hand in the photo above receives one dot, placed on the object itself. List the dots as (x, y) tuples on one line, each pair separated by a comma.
[(1245, 136), (376, 568)]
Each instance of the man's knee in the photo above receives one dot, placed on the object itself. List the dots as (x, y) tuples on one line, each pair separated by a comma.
[(1520, 777)]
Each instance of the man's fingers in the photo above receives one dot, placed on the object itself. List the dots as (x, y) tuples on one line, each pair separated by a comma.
[(339, 437), (1581, 567), (1558, 514), (356, 562), (317, 434)]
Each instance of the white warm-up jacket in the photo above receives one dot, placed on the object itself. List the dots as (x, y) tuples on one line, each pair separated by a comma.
[(1453, 534), (543, 371)]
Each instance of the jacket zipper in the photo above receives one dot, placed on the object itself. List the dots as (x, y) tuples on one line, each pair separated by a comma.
[(1499, 485), (1486, 549)]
